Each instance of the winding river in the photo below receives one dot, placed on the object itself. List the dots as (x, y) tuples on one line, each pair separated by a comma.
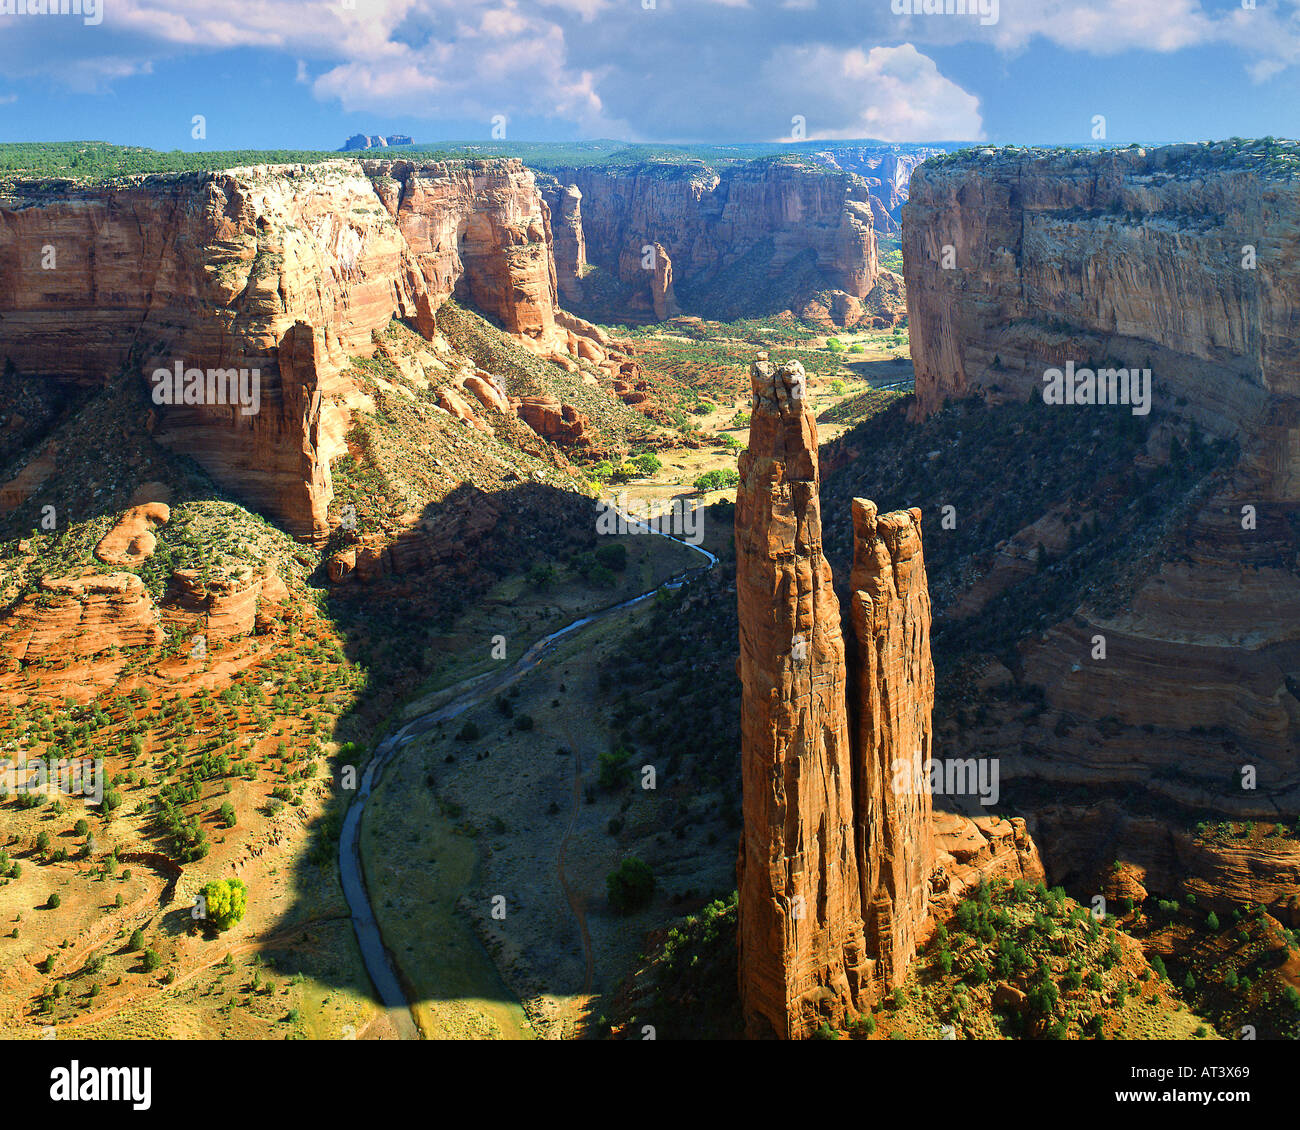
[(378, 960)]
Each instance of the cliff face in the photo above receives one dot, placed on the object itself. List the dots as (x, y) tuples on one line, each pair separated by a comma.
[(1136, 252), (480, 231), (211, 271), (887, 171), (287, 271), (569, 239), (767, 219), (1184, 260)]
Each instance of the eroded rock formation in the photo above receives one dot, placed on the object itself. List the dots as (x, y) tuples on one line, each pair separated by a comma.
[(890, 612), (802, 947), (842, 858), (767, 217)]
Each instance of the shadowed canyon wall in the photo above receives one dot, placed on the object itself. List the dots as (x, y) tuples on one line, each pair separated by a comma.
[(1184, 260)]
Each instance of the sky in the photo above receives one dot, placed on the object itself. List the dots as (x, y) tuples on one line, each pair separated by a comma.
[(306, 74)]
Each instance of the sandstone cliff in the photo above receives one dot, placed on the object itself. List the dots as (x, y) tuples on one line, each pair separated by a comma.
[(570, 241), (743, 240), (887, 171), (1184, 260), (282, 271), (209, 271)]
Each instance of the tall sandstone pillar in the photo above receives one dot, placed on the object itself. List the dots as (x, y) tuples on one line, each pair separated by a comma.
[(802, 956), (835, 859), (889, 609)]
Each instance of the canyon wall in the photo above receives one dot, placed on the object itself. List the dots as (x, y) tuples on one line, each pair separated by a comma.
[(212, 270), (286, 270), (1184, 260), (887, 171), (784, 226), (479, 230)]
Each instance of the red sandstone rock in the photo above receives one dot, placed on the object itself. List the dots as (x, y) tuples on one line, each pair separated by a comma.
[(889, 605), (74, 617), (802, 951), (131, 540), (551, 420)]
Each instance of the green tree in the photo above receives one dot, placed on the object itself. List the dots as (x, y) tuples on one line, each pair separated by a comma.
[(137, 939), (225, 902), (631, 885)]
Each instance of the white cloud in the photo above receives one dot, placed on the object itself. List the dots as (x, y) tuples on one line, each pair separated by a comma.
[(892, 93)]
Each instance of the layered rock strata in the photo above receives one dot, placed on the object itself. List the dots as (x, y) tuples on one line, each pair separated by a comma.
[(771, 213), (280, 274), (1184, 260)]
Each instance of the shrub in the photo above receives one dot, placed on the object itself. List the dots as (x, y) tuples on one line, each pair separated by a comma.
[(137, 939), (612, 557), (631, 885), (54, 902), (151, 960)]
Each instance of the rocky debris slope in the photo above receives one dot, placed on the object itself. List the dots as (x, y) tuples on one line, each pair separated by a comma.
[(838, 857)]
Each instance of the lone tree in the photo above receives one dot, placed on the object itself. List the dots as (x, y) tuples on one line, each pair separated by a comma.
[(225, 901), (631, 885)]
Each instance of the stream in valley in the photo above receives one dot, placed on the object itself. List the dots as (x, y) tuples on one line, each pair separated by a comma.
[(379, 962)]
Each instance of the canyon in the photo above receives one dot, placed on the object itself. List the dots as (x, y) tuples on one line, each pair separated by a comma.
[(753, 238)]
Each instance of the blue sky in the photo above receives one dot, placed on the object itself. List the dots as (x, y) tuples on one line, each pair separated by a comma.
[(307, 73)]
